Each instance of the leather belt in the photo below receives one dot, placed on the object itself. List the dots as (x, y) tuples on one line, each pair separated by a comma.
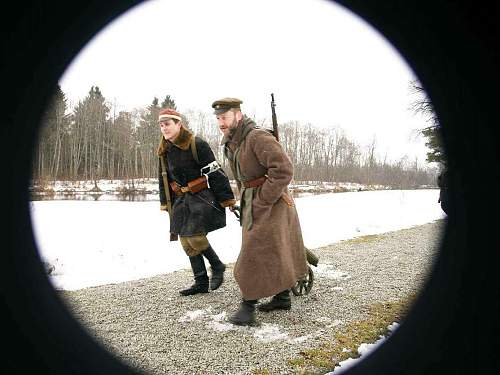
[(255, 182), (193, 186), (176, 188)]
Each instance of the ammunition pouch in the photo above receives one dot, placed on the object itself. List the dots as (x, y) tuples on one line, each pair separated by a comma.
[(198, 185)]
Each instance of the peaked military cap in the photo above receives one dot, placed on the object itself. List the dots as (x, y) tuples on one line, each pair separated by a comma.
[(225, 104)]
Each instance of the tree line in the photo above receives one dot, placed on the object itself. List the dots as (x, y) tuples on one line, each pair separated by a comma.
[(93, 142)]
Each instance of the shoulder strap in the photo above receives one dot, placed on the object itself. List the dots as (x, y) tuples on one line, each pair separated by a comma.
[(247, 130), (193, 149), (166, 188), (166, 185)]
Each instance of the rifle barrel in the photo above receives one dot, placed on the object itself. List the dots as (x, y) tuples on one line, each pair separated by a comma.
[(275, 121)]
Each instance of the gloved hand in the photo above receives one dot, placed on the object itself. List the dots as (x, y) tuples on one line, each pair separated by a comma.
[(235, 209)]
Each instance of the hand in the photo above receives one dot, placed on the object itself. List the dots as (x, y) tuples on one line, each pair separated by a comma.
[(235, 210)]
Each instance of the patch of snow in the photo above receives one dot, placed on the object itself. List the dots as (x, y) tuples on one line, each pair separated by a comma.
[(392, 327), (298, 340), (269, 333), (221, 326), (329, 271), (343, 366), (219, 317), (363, 350), (192, 315), (335, 323)]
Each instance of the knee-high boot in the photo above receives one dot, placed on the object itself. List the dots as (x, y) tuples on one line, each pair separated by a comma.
[(217, 266), (200, 277)]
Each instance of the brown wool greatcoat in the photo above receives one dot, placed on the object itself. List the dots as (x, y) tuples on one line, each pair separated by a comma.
[(272, 256)]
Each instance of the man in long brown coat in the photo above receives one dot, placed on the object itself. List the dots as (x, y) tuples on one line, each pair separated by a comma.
[(272, 256)]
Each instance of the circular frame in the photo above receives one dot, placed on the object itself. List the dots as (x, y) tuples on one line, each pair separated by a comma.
[(452, 47)]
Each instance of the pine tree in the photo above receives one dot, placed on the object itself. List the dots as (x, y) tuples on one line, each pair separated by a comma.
[(90, 136), (168, 102), (54, 127), (148, 135), (432, 133), (423, 105)]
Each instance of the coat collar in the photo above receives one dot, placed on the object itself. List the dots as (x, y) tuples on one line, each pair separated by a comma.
[(182, 141), (239, 132)]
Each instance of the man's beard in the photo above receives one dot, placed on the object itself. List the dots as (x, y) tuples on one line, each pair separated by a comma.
[(232, 128)]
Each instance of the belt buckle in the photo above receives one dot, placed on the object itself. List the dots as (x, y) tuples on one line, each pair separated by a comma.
[(185, 189)]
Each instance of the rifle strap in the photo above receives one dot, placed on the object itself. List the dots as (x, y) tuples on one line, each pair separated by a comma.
[(194, 150), (166, 187)]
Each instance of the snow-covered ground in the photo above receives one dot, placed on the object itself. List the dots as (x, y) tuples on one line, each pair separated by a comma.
[(93, 243)]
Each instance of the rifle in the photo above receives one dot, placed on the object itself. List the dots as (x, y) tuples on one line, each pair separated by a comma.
[(310, 256), (275, 121)]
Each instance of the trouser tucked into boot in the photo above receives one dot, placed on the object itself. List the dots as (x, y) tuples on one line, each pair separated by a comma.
[(245, 316), (194, 245), (217, 266), (200, 277), (280, 301)]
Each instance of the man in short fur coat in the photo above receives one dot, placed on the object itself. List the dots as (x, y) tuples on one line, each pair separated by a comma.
[(272, 256), (193, 214)]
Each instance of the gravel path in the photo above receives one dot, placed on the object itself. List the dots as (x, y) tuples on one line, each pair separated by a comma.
[(149, 325)]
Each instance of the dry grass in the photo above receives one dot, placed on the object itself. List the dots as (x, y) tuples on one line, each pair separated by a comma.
[(345, 343)]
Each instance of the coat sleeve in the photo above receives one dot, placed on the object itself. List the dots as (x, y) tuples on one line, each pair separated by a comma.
[(218, 180), (274, 159)]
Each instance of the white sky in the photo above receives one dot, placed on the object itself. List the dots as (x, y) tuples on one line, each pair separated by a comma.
[(324, 64)]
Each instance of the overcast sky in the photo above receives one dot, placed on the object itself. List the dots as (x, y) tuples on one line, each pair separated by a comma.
[(325, 66)]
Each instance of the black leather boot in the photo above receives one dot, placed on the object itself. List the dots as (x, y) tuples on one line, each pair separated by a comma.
[(217, 266), (200, 277), (245, 316), (280, 301)]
